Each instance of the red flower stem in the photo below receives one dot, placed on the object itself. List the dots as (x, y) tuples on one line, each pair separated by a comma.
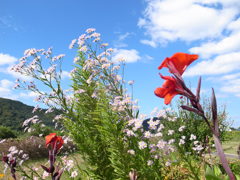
[(195, 103), (217, 142), (223, 157)]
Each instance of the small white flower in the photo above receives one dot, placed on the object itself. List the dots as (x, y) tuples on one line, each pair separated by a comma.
[(142, 145), (192, 137), (74, 174), (170, 132), (171, 141), (90, 30), (168, 163), (159, 134), (104, 44), (181, 142), (131, 151), (76, 59), (129, 133), (45, 175), (195, 142), (105, 66), (149, 162), (161, 144), (72, 43), (80, 91), (131, 82), (147, 134), (181, 128), (83, 49)]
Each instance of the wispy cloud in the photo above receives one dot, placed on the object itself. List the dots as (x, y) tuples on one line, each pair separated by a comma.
[(221, 64), (6, 59), (8, 22), (6, 89), (226, 44), (120, 42), (129, 55), (186, 20)]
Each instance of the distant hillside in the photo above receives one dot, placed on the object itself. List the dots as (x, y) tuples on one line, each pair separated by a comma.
[(13, 113)]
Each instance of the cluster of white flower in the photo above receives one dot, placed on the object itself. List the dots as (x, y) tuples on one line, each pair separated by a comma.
[(34, 120)]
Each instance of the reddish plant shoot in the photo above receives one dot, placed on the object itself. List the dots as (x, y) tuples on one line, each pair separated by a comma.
[(175, 85)]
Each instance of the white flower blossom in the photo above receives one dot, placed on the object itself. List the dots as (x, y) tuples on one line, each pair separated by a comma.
[(74, 174), (149, 162), (170, 132), (181, 142), (192, 137), (131, 151), (142, 145), (181, 128), (90, 30)]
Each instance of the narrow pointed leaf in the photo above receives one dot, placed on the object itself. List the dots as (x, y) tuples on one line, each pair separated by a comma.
[(198, 89), (214, 112), (45, 168), (191, 109)]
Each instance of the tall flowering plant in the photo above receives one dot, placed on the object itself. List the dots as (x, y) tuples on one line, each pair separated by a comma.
[(54, 143), (98, 113), (175, 85)]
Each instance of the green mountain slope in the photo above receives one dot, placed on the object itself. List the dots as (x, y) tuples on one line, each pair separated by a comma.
[(13, 113)]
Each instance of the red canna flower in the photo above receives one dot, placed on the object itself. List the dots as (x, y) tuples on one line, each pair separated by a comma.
[(180, 60), (169, 89), (54, 140)]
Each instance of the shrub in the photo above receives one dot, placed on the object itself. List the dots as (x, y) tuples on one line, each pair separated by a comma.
[(6, 132), (39, 129), (191, 128)]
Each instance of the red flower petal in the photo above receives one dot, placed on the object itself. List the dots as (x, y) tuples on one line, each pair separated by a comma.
[(168, 89), (168, 98), (59, 142), (49, 138), (180, 60)]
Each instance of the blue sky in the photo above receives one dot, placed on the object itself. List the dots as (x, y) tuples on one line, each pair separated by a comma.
[(143, 31)]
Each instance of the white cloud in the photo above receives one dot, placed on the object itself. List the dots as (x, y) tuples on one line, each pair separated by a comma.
[(6, 59), (148, 42), (225, 63), (130, 56), (231, 76), (6, 89), (7, 62), (119, 43), (14, 74), (5, 83), (30, 94), (65, 74), (146, 58), (187, 20), (232, 86), (124, 36), (226, 44)]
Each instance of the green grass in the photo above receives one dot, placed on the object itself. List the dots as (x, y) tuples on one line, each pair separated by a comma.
[(231, 147), (233, 141)]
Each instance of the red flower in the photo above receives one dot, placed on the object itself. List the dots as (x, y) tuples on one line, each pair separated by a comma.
[(54, 140), (180, 60), (169, 89)]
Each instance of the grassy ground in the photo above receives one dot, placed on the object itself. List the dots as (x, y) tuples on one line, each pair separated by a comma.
[(233, 141), (231, 147)]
